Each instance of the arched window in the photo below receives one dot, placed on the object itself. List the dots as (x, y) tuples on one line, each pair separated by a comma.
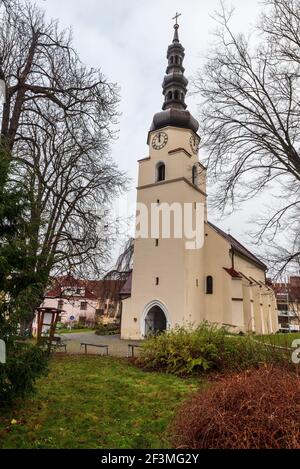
[(160, 172), (172, 60), (176, 59), (209, 285), (194, 175), (169, 95), (176, 94)]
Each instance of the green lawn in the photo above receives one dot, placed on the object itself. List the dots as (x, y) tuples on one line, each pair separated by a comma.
[(96, 402), (284, 340), (72, 331)]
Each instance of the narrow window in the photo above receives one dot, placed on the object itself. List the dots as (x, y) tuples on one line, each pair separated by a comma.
[(83, 305), (60, 304), (156, 242), (194, 175), (197, 283), (176, 94), (209, 285), (176, 59), (169, 95), (157, 281), (157, 201), (160, 172)]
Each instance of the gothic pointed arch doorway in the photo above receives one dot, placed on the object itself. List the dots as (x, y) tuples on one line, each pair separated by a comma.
[(154, 319)]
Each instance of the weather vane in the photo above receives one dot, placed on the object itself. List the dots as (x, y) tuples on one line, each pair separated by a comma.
[(176, 18)]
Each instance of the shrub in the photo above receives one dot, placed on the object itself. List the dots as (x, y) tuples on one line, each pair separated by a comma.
[(185, 351), (17, 376), (107, 329), (255, 409)]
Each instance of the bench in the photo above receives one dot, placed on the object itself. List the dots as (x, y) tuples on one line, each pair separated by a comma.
[(131, 348), (86, 345)]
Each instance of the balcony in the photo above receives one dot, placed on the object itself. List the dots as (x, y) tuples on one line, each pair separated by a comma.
[(288, 314)]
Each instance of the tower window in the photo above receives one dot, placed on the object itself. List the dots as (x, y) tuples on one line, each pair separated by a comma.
[(176, 94), (176, 59), (160, 172), (194, 175), (156, 242), (157, 281), (209, 285), (172, 60), (169, 95), (197, 283)]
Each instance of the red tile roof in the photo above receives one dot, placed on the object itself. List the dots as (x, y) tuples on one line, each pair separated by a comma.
[(232, 272), (93, 289)]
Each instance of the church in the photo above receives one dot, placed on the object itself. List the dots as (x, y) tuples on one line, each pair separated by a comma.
[(221, 282)]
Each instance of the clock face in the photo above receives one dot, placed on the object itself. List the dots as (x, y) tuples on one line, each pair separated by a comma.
[(159, 140), (194, 144)]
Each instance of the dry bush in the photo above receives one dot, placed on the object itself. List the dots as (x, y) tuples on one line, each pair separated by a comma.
[(258, 408)]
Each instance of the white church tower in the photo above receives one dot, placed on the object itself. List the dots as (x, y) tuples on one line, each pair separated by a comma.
[(167, 279)]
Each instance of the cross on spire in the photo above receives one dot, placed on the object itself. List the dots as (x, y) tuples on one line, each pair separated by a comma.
[(176, 18)]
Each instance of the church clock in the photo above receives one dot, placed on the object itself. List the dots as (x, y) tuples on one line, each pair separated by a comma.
[(194, 144), (159, 140)]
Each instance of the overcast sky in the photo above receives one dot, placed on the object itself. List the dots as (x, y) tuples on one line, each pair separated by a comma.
[(128, 40)]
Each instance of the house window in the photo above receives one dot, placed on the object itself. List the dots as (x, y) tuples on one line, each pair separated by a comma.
[(282, 307), (60, 304), (194, 175), (209, 285), (160, 172), (83, 305), (157, 281)]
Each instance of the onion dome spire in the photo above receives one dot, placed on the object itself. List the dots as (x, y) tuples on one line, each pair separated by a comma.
[(175, 83), (174, 86)]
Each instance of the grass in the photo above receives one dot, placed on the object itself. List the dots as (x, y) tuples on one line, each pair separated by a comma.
[(72, 331), (284, 340), (96, 402)]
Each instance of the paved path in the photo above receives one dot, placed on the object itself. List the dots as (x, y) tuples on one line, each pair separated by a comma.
[(116, 346)]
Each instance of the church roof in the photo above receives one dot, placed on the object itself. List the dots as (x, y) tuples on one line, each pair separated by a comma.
[(126, 289), (237, 247)]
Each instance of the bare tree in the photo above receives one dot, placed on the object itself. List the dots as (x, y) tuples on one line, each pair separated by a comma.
[(58, 123), (71, 186), (40, 64), (251, 116)]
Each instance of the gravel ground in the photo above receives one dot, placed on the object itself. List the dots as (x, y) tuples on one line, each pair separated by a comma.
[(116, 346)]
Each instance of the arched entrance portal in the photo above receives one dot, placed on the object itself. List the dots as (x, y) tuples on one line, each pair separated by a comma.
[(155, 321)]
